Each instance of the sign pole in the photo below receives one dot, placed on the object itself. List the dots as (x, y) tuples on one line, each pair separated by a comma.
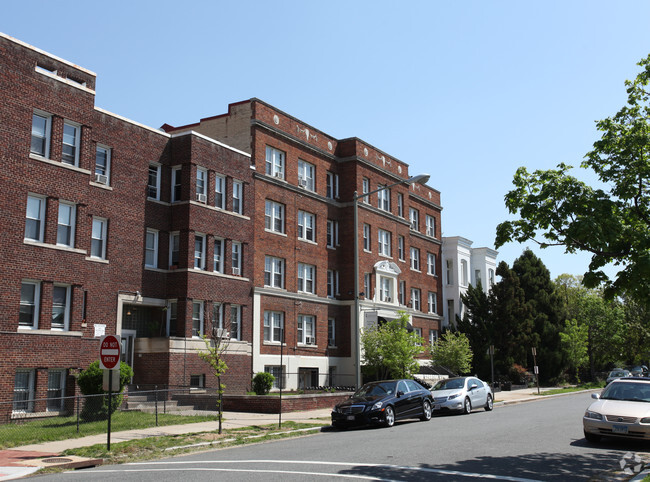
[(109, 358), (110, 406)]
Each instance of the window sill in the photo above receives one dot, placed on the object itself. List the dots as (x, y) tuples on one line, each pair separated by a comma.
[(278, 233), (97, 260), (53, 331), (31, 242), (101, 186), (305, 345), (36, 157), (308, 241)]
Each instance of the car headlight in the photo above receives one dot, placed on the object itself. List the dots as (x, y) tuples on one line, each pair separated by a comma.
[(645, 420), (376, 406), (455, 395), (593, 415)]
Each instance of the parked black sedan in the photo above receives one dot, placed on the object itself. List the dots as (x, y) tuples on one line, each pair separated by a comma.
[(384, 402)]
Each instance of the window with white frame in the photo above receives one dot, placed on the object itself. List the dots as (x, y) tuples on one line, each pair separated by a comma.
[(274, 162), (491, 277), (35, 219), (55, 390), (332, 283), (61, 307), (274, 216), (306, 278), (463, 272), (102, 164), (172, 318), (197, 319), (220, 191), (366, 237), (367, 285), (41, 134), (30, 297), (273, 272), (450, 271), (433, 337), (431, 264), (432, 302), (71, 140), (332, 233), (332, 185), (415, 299), (418, 332), (237, 197), (386, 289), (174, 248), (477, 276), (199, 251), (219, 245), (431, 226), (306, 174), (306, 330), (235, 322), (24, 391), (415, 259), (98, 238), (331, 332), (236, 258), (400, 204), (278, 375), (365, 189), (383, 198), (414, 216), (273, 326), (151, 249), (402, 292), (383, 237), (306, 223), (217, 319), (176, 184), (66, 224), (201, 185), (153, 183)]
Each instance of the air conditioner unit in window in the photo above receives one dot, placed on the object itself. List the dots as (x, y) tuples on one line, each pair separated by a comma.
[(310, 340), (388, 299), (101, 178), (302, 182), (279, 175), (221, 333), (236, 271), (202, 198)]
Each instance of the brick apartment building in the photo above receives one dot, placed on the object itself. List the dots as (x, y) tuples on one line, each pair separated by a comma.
[(241, 224)]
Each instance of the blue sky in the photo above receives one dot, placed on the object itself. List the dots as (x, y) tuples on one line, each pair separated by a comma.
[(467, 91)]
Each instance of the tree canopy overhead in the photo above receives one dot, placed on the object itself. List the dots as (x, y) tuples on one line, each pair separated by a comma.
[(612, 223)]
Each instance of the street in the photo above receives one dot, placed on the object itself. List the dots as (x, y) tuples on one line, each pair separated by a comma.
[(540, 440)]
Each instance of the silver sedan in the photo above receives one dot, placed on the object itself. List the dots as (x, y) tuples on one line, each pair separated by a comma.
[(461, 394)]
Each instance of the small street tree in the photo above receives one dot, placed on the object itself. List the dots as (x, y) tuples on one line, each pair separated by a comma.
[(574, 342), (453, 352), (216, 346)]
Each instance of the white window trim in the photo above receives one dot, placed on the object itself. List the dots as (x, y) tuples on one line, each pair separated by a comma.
[(236, 249), (107, 170), (235, 320), (275, 162), (71, 226), (174, 235), (220, 254), (77, 144), (48, 133), (41, 219), (415, 259), (331, 332), (220, 191), (431, 264), (201, 305), (155, 234), (274, 262), (273, 216), (60, 373), (303, 217), (29, 390), (416, 297), (66, 313), (158, 170), (270, 319), (175, 181), (238, 197), (306, 174), (203, 237), (431, 226), (201, 175), (36, 305), (384, 244), (303, 321), (303, 270)]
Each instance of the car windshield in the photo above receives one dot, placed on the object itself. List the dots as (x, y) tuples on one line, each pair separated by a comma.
[(451, 384), (630, 392), (378, 389), (617, 373)]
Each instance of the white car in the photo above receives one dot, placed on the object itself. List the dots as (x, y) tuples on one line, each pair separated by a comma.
[(621, 410), (461, 394)]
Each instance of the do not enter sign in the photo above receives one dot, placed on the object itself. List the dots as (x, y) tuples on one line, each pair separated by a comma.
[(109, 352)]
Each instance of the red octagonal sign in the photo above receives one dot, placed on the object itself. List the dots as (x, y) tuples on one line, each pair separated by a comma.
[(109, 352)]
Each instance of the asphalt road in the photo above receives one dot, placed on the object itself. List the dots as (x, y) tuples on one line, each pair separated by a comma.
[(540, 440)]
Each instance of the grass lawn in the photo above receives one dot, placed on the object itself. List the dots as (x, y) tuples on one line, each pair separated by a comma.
[(586, 386)]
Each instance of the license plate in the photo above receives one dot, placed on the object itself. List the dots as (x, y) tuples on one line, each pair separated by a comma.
[(350, 417), (436, 407), (619, 429)]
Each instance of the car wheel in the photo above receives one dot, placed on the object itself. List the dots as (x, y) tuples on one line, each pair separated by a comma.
[(591, 437), (489, 405), (426, 411), (467, 406), (389, 416)]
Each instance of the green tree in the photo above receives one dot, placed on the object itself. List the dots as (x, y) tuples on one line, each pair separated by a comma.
[(216, 346), (478, 326), (453, 352), (613, 222), (390, 350), (574, 342), (637, 331), (91, 381)]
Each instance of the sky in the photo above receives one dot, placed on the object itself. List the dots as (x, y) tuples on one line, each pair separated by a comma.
[(467, 91)]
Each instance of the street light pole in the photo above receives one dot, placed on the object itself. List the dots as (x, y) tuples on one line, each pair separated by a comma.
[(419, 179)]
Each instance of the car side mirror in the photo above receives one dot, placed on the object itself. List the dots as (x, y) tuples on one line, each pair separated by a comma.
[(595, 396), (400, 393), (474, 385)]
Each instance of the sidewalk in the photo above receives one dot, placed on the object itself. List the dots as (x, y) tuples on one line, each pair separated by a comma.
[(25, 460)]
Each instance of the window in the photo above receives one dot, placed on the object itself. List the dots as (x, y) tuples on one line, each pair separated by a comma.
[(450, 311), (197, 381), (400, 248), (463, 272), (415, 259), (274, 216), (306, 278), (491, 277), (432, 302), (384, 242), (306, 226), (273, 272), (306, 174), (450, 272), (274, 162), (172, 318), (201, 185), (433, 337), (332, 182), (386, 289), (367, 285), (55, 390), (199, 251), (237, 197), (153, 184), (415, 219), (415, 299), (332, 283), (278, 374), (151, 249), (217, 318), (176, 184), (402, 293), (365, 189), (174, 248), (236, 258), (98, 238), (366, 237), (383, 198), (218, 255), (235, 322), (35, 219), (24, 391), (71, 134), (102, 164), (400, 204), (306, 330), (273, 326), (431, 264), (30, 296), (197, 318), (66, 224), (331, 332), (431, 226), (61, 307), (418, 332), (477, 277), (332, 233), (219, 192), (41, 127)]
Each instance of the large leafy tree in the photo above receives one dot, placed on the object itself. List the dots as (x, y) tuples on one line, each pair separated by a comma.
[(453, 352), (610, 222)]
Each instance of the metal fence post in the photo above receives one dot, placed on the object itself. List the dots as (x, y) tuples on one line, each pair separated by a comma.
[(155, 392), (78, 402)]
